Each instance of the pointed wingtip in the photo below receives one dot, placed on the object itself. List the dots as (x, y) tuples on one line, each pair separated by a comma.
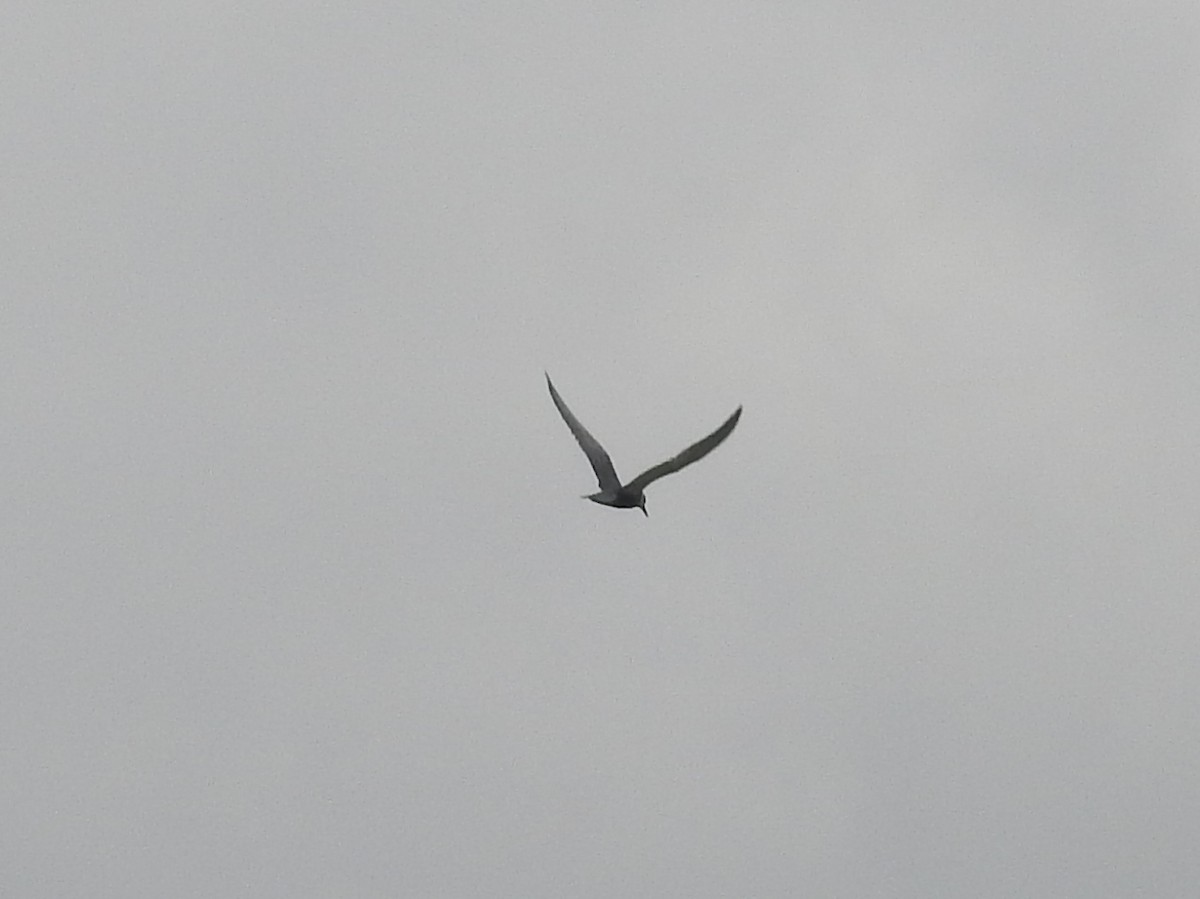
[(729, 424)]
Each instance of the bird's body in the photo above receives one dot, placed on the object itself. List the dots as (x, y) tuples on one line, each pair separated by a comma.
[(621, 498), (632, 495)]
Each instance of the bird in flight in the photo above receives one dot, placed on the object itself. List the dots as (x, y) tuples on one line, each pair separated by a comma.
[(630, 496)]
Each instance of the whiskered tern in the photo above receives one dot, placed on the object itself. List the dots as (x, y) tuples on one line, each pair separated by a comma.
[(629, 496)]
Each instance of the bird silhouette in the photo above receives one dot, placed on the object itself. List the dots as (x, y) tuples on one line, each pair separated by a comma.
[(630, 496)]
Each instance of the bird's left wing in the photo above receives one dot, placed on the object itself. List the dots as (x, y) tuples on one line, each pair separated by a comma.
[(606, 475)]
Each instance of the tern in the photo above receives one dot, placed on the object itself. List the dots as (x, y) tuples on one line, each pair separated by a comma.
[(630, 496)]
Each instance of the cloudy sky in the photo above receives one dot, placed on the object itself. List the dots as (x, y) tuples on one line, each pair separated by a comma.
[(299, 598)]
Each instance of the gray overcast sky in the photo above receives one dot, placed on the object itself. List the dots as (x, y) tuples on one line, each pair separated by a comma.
[(299, 598)]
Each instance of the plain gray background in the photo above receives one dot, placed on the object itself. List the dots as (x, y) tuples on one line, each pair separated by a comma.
[(299, 598)]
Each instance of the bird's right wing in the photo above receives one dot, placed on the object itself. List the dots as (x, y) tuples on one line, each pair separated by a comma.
[(693, 453), (606, 475)]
